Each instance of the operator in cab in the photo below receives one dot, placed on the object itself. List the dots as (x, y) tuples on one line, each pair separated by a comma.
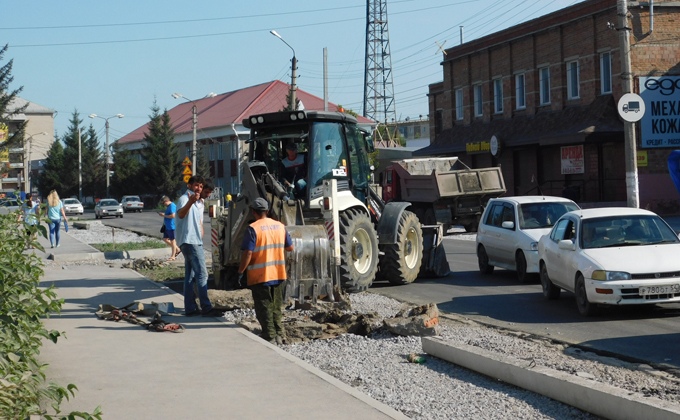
[(294, 171)]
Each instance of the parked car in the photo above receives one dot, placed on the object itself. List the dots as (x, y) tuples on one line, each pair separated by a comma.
[(8, 206), (108, 207), (72, 206), (132, 203), (509, 230), (611, 256)]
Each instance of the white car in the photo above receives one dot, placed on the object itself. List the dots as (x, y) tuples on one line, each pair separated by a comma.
[(107, 207), (509, 230), (132, 203), (611, 256), (72, 206)]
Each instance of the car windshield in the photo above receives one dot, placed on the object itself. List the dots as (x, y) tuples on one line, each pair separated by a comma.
[(8, 203), (71, 201), (630, 230), (108, 203), (543, 214)]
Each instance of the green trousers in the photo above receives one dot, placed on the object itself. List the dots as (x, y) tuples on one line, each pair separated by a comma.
[(268, 302)]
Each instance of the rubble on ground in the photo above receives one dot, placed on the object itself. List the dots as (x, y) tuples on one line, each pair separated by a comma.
[(146, 263)]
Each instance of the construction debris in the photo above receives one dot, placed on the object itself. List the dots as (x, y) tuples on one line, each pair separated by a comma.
[(421, 321), (146, 263)]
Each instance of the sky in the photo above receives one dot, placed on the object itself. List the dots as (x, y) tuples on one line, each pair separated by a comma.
[(117, 57)]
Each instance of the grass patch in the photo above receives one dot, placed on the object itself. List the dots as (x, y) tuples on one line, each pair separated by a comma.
[(130, 246), (169, 273)]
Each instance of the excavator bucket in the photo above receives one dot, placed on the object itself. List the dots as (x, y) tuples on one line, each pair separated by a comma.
[(308, 266), (434, 262)]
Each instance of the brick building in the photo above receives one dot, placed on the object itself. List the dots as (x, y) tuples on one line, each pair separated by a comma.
[(540, 99)]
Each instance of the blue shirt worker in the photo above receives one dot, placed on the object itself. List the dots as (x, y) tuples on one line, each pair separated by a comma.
[(189, 237), (263, 257)]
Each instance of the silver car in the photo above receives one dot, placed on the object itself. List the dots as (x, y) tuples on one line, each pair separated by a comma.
[(8, 206), (72, 206), (108, 207)]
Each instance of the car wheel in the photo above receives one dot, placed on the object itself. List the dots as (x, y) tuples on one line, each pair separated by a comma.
[(483, 261), (550, 291), (521, 268), (121, 216), (584, 306)]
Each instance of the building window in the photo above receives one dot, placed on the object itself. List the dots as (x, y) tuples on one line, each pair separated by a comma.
[(234, 148), (189, 153), (572, 80), (498, 96), (459, 104), (479, 106), (211, 152), (544, 81), (606, 72), (520, 92), (220, 151), (438, 122)]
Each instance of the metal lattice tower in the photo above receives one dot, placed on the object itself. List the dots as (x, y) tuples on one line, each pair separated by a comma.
[(378, 84)]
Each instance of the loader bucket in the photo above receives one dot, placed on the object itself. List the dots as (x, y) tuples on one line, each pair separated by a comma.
[(434, 262), (309, 267)]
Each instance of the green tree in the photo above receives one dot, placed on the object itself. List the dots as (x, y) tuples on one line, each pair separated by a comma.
[(69, 172), (48, 179), (289, 101), (94, 167), (8, 110), (126, 172), (163, 170), (202, 164)]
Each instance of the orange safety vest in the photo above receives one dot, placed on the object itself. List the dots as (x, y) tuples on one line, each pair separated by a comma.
[(268, 261)]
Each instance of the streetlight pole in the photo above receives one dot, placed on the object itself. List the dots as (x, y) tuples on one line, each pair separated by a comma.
[(108, 168), (194, 124), (29, 140), (293, 88)]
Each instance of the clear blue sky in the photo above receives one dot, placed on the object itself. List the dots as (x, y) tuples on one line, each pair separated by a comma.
[(116, 56)]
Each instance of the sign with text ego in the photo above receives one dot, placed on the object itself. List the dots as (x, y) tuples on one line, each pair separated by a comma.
[(661, 123)]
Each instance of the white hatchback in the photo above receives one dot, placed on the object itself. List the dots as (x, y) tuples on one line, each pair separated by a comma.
[(510, 228), (611, 256)]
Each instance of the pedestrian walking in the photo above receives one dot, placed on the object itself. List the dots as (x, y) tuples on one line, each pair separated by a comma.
[(189, 232), (263, 257), (169, 224), (55, 212), (31, 211)]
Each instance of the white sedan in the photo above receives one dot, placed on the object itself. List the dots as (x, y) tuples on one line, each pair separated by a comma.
[(510, 228), (72, 206), (611, 256)]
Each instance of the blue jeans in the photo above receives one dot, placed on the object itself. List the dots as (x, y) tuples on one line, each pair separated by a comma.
[(195, 270), (55, 228)]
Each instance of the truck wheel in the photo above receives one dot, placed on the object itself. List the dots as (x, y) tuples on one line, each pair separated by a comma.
[(401, 262), (358, 251)]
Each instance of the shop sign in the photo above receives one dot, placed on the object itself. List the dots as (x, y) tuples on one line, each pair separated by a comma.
[(641, 158), (573, 161), (660, 126), (478, 147), (4, 133)]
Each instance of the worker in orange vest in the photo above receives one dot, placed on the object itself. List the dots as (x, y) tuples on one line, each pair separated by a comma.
[(263, 257)]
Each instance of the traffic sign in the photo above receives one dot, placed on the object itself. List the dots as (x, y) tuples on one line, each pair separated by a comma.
[(631, 107), (187, 178), (187, 170), (187, 161)]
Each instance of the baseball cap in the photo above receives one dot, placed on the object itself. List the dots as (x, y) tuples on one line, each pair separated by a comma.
[(259, 204)]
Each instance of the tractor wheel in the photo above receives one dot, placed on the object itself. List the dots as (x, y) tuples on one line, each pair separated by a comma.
[(401, 262), (358, 251)]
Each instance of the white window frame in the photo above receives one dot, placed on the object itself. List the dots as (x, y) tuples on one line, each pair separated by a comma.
[(498, 96), (234, 148), (479, 105), (605, 88), (543, 90), (520, 104), (573, 80), (460, 114)]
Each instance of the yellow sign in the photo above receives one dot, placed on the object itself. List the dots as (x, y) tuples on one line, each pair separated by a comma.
[(642, 158), (478, 147), (187, 170), (187, 161), (4, 133), (186, 178)]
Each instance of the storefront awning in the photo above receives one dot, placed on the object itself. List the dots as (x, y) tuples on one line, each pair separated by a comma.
[(571, 125)]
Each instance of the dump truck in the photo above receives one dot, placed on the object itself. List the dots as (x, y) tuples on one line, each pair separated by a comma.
[(343, 233), (442, 190)]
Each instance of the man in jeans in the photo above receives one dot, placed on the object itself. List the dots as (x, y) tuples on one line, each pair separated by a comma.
[(189, 235)]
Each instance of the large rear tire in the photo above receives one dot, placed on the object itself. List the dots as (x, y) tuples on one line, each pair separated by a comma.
[(401, 262), (358, 251)]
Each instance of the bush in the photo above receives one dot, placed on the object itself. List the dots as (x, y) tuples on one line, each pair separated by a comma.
[(23, 305)]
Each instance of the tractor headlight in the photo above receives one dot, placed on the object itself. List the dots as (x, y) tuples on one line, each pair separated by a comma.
[(301, 115), (602, 275), (253, 120), (260, 119), (293, 117)]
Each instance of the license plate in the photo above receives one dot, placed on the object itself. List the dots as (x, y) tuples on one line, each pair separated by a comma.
[(659, 290)]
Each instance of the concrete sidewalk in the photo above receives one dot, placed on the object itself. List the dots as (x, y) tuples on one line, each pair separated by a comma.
[(212, 370)]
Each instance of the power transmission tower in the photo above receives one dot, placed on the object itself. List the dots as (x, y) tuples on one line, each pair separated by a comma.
[(378, 83)]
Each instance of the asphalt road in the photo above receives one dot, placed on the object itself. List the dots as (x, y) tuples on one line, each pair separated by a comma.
[(650, 334)]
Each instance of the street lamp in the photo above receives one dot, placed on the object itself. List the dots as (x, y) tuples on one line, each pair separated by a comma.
[(293, 88), (29, 140), (194, 125), (108, 168)]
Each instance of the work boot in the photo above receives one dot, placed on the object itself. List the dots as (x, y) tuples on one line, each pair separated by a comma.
[(279, 340)]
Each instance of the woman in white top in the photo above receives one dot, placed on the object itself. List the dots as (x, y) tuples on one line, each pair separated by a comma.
[(55, 211)]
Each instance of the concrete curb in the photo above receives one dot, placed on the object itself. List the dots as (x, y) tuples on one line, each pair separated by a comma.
[(591, 396), (113, 255)]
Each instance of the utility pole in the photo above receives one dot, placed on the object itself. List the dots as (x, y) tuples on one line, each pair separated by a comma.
[(325, 79), (194, 166), (627, 87), (108, 169), (80, 168)]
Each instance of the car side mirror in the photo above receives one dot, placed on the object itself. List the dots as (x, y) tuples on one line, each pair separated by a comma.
[(566, 244), (508, 225)]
